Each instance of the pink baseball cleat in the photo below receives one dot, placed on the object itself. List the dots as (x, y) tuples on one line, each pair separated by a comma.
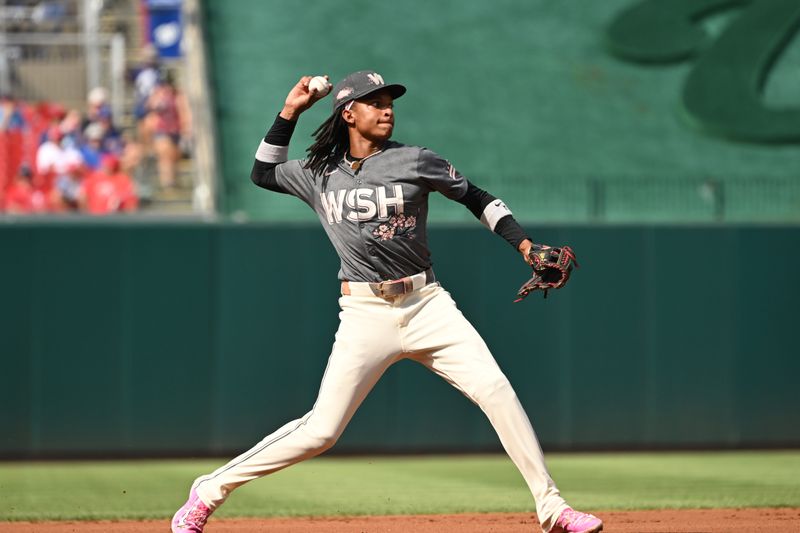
[(192, 517), (572, 521)]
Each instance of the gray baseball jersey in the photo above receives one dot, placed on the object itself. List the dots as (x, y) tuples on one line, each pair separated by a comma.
[(376, 217)]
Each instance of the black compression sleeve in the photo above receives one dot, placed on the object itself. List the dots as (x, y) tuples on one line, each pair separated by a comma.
[(511, 231), (476, 200), (281, 132), (263, 173)]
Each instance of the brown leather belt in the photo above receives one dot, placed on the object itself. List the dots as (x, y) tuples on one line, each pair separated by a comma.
[(390, 288)]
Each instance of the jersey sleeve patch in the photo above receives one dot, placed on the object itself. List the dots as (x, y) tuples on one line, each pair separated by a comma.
[(441, 175)]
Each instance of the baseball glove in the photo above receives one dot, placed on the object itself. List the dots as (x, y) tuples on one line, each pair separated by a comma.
[(551, 269)]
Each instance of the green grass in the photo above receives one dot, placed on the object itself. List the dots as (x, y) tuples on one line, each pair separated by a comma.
[(398, 485)]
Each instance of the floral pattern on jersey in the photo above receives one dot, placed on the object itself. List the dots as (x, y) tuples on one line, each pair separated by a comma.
[(398, 225)]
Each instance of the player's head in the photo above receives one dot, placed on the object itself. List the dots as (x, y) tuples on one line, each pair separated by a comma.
[(371, 116), (361, 101)]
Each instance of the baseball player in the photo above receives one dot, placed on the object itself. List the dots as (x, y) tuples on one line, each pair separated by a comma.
[(371, 196)]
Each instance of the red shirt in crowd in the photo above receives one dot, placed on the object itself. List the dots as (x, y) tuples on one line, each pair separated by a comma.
[(22, 198), (109, 193)]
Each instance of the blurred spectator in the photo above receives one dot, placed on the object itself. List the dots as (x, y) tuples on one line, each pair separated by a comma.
[(108, 190), (10, 116), (66, 194), (145, 82), (92, 147), (98, 112), (50, 155), (58, 162), (132, 152), (97, 105), (71, 129), (113, 142), (166, 121), (53, 114), (22, 197)]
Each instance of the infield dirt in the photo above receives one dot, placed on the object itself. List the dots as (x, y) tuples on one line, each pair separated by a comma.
[(667, 521)]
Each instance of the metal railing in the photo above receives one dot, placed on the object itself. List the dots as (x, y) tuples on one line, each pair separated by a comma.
[(198, 90), (64, 67), (656, 199), (674, 200)]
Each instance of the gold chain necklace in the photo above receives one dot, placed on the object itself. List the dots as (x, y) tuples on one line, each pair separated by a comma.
[(355, 165)]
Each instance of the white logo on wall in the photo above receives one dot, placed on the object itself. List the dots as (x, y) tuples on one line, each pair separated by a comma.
[(167, 35), (376, 78)]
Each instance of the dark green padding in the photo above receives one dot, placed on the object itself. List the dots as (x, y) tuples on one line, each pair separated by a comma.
[(201, 339)]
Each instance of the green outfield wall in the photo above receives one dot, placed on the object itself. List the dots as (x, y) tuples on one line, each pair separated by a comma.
[(572, 110), (152, 339)]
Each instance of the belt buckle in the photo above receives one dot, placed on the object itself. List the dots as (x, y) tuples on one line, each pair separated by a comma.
[(397, 287)]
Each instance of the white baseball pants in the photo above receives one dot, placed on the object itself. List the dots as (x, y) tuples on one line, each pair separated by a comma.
[(374, 333)]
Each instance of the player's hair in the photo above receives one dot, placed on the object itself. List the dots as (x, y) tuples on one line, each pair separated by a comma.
[(332, 143)]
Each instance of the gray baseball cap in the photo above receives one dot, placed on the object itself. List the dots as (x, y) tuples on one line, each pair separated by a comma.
[(362, 83)]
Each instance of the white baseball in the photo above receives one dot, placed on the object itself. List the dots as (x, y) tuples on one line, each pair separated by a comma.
[(320, 85)]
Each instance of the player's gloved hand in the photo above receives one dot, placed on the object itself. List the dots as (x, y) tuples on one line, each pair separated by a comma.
[(299, 99), (551, 268)]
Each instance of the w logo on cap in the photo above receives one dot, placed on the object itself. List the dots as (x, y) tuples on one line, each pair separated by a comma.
[(376, 78)]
